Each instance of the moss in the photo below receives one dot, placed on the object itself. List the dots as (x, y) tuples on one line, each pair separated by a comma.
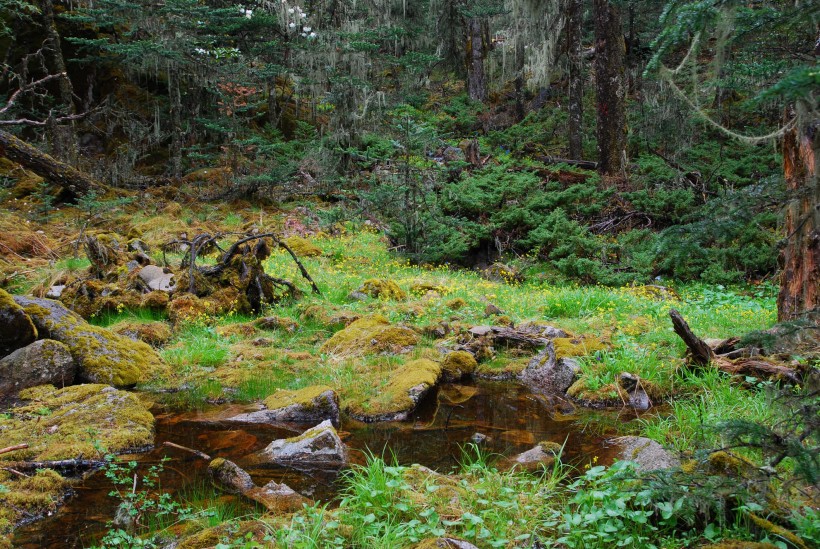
[(27, 497), (404, 388), (243, 330), (188, 309), (307, 397), (101, 355), (373, 334), (66, 423), (329, 317), (421, 288), (726, 463), (382, 289), (456, 304), (550, 447), (18, 330), (778, 531), (458, 364), (302, 247), (155, 334), (580, 346), (597, 397), (155, 301), (276, 323)]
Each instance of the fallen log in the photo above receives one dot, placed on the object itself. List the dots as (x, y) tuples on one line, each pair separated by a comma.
[(46, 166), (58, 465), (550, 160)]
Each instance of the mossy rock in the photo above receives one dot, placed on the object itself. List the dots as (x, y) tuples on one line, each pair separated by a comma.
[(189, 309), (43, 362), (16, 327), (499, 272), (25, 497), (329, 317), (240, 330), (277, 323), (302, 247), (74, 421), (156, 300), (382, 289), (318, 447), (89, 298), (101, 355), (458, 364), (312, 405), (422, 288), (370, 335), (604, 396), (578, 346), (456, 304), (155, 334), (405, 387)]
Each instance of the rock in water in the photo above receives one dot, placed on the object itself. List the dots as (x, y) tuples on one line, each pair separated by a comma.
[(277, 498), (101, 356), (309, 405), (542, 454), (44, 362), (16, 328), (548, 374), (228, 476), (405, 388), (319, 447), (646, 453)]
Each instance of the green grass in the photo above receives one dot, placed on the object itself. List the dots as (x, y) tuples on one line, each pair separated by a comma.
[(197, 347)]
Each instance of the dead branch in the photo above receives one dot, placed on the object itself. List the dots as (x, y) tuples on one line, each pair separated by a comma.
[(701, 353), (197, 453), (13, 448), (60, 464)]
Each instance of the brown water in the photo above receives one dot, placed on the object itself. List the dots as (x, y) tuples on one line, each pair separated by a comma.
[(513, 417)]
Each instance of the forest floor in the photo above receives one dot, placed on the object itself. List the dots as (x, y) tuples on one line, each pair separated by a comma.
[(230, 357)]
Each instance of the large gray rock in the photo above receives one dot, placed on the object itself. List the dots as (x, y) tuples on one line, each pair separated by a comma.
[(646, 453), (548, 374), (319, 447), (16, 328), (44, 362), (309, 405), (101, 355), (157, 279)]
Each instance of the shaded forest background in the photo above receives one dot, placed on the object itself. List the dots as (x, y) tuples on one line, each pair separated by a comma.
[(609, 138)]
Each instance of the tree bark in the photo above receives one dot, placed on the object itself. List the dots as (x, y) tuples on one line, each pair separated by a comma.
[(798, 297), (700, 351), (63, 138), (46, 166), (476, 77), (610, 87), (576, 78)]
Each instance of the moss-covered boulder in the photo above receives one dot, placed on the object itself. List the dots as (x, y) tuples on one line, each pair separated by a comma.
[(16, 328), (541, 455), (382, 289), (577, 346), (398, 398), (373, 334), (44, 362), (548, 373), (77, 420), (309, 405), (302, 247), (319, 447), (457, 365), (101, 355), (89, 298)]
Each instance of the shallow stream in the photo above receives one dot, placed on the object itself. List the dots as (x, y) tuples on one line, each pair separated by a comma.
[(511, 416)]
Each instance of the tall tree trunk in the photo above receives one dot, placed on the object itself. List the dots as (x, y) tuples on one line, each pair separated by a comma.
[(798, 298), (175, 98), (64, 137), (610, 87), (476, 77), (48, 167), (519, 81), (576, 78)]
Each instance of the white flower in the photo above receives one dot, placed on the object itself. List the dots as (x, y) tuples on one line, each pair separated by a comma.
[(291, 25), (290, 10), (312, 35), (307, 29), (303, 15)]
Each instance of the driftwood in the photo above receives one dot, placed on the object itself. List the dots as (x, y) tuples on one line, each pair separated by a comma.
[(197, 453), (46, 166), (702, 355)]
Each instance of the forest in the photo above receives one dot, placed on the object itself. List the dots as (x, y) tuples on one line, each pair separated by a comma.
[(409, 274)]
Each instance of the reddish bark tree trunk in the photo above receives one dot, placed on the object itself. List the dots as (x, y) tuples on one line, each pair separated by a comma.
[(798, 298), (610, 87)]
